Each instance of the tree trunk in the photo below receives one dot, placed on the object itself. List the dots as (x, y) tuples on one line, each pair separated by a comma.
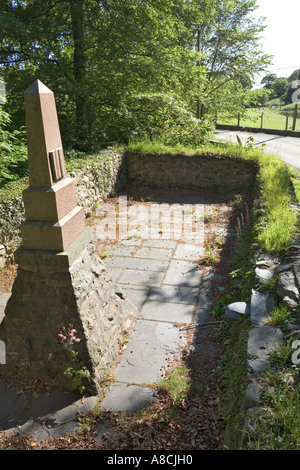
[(79, 70)]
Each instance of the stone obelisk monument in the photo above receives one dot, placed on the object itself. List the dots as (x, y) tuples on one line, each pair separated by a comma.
[(61, 282)]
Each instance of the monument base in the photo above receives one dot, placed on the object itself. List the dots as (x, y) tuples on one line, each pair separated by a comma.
[(54, 293)]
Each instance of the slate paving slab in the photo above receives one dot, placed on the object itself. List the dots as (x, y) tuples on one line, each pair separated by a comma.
[(145, 278), (137, 297), (145, 359), (153, 253), (167, 311), (125, 397), (185, 251), (178, 294), (183, 273), (135, 263), (160, 243)]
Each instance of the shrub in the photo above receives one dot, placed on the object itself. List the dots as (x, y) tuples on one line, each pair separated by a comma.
[(157, 116)]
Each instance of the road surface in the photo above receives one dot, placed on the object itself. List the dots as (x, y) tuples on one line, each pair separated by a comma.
[(287, 148)]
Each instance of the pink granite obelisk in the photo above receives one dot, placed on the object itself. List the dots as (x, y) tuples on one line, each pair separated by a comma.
[(61, 282), (53, 219)]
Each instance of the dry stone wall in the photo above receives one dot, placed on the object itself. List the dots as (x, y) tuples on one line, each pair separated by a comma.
[(198, 171), (94, 182)]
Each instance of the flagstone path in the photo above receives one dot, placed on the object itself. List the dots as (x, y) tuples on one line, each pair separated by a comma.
[(162, 277)]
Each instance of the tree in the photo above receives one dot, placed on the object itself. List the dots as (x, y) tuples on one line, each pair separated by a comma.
[(230, 52), (268, 80), (279, 87), (100, 56)]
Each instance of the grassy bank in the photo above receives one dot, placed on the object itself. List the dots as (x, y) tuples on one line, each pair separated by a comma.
[(273, 118)]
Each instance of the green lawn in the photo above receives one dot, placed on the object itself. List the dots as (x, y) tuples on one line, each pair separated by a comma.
[(272, 119)]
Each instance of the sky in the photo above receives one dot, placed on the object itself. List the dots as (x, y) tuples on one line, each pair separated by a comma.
[(281, 36)]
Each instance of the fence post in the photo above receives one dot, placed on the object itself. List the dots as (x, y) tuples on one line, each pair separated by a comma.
[(239, 119), (295, 117), (286, 123), (262, 120)]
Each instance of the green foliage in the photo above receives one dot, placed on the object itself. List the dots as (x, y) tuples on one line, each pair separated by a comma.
[(76, 371), (13, 152), (280, 316), (163, 117), (111, 62)]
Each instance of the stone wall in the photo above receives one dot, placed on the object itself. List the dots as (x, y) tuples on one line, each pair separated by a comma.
[(95, 180), (198, 171)]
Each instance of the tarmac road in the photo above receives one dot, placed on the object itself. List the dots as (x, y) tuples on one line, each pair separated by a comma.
[(287, 148)]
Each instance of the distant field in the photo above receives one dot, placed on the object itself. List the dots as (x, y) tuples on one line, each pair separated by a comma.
[(272, 119)]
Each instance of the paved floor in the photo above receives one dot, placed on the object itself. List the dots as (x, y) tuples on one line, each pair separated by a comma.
[(161, 276), (288, 148)]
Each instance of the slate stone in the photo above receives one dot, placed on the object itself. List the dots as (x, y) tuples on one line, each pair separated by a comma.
[(137, 296), (124, 397), (264, 339), (183, 273), (261, 306), (213, 277), (167, 311), (103, 432), (264, 275), (170, 244), (205, 298), (153, 253), (287, 288), (190, 252), (150, 348), (252, 397), (258, 366), (36, 430), (231, 314), (178, 294), (235, 309), (145, 278), (201, 316), (135, 263), (86, 404)]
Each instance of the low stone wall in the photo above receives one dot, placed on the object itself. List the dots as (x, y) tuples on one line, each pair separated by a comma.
[(198, 171), (95, 180)]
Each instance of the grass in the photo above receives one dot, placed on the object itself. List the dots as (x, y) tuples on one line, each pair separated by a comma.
[(278, 423), (272, 118), (177, 384), (280, 316), (233, 370), (280, 218)]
